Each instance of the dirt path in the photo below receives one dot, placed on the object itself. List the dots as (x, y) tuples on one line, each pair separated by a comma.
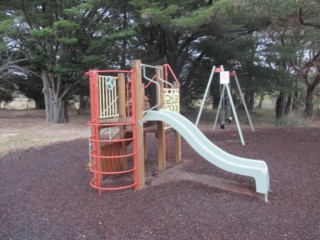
[(28, 129)]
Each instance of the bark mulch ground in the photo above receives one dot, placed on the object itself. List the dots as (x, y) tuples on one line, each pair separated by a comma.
[(45, 193)]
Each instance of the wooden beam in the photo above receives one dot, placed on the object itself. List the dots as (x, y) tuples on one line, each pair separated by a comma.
[(137, 88), (161, 125), (177, 137)]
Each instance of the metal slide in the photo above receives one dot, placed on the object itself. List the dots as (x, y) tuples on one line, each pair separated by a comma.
[(257, 169)]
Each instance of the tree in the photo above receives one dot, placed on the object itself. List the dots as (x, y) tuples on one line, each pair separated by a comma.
[(8, 67), (192, 36), (31, 87), (310, 70), (257, 38), (61, 39), (300, 51)]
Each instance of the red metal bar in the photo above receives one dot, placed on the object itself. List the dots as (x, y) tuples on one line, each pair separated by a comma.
[(167, 67), (111, 157), (114, 173), (111, 141), (217, 70), (110, 124), (95, 131), (111, 189), (108, 71), (149, 83)]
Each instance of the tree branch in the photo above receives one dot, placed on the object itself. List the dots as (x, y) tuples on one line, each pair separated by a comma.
[(302, 22), (25, 14)]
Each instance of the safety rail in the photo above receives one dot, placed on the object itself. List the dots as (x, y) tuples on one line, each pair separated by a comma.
[(158, 88), (109, 128), (99, 160), (169, 99), (115, 113)]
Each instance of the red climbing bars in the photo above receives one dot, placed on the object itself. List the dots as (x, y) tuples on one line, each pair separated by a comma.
[(110, 154)]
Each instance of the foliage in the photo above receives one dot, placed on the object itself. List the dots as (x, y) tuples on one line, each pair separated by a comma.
[(9, 66), (61, 41), (31, 87), (271, 45)]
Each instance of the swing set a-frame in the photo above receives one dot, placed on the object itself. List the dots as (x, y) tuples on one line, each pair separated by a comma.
[(225, 92)]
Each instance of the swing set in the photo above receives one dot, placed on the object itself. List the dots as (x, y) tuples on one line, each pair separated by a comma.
[(226, 101)]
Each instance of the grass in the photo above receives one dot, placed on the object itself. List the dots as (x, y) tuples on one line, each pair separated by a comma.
[(261, 117), (294, 119), (23, 129)]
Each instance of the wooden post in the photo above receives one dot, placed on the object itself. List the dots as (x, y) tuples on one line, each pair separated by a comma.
[(137, 88), (145, 153), (122, 116), (161, 130), (177, 147), (145, 147), (177, 137)]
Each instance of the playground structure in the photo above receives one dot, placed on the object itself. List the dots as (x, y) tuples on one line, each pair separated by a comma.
[(121, 116), (225, 93)]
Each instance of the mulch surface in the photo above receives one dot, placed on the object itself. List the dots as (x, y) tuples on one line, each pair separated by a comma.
[(45, 193)]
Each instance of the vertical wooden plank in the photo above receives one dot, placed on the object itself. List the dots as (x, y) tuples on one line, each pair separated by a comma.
[(144, 133), (177, 137), (161, 131), (137, 88), (122, 95), (145, 145), (177, 147)]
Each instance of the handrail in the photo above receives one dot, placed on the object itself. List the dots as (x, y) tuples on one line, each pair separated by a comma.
[(157, 84), (150, 81), (154, 67), (106, 150), (166, 67), (106, 71)]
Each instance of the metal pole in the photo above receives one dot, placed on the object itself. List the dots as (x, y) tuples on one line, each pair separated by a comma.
[(243, 101), (235, 114), (219, 106), (205, 95)]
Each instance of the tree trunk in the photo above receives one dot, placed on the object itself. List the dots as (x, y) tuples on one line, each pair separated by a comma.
[(39, 103), (261, 100), (288, 105), (280, 105), (249, 98), (60, 111), (55, 101), (308, 110), (47, 93), (83, 103), (295, 105)]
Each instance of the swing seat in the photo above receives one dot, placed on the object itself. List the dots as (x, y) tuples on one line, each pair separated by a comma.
[(229, 119)]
